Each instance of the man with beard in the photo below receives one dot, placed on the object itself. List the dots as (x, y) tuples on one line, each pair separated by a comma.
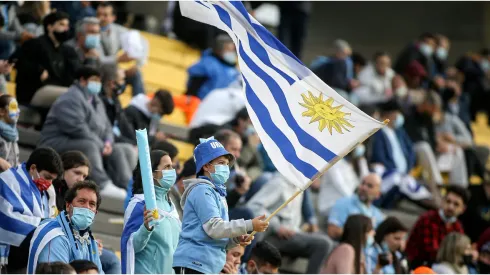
[(46, 66), (360, 203), (434, 225)]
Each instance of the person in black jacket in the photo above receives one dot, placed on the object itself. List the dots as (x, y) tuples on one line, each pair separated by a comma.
[(145, 113), (45, 66), (476, 218), (422, 51), (113, 85)]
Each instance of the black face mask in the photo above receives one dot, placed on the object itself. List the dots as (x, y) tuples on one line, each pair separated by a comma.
[(119, 89), (468, 259), (61, 36), (483, 268)]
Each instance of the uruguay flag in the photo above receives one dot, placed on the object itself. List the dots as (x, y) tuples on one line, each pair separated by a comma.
[(303, 124)]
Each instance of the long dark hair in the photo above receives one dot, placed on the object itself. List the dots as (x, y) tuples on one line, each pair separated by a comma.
[(355, 229), (388, 226), (155, 157)]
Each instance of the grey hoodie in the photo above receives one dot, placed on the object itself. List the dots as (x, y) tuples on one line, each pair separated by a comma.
[(217, 228)]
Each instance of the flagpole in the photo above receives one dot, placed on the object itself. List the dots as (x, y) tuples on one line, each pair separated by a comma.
[(319, 174)]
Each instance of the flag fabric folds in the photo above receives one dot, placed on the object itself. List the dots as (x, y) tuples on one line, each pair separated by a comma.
[(303, 123)]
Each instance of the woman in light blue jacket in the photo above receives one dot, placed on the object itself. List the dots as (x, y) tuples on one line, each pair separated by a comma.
[(149, 249)]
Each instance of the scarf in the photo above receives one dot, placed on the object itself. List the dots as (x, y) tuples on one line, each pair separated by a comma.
[(8, 132)]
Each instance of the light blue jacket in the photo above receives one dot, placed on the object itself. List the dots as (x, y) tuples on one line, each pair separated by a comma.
[(149, 252)]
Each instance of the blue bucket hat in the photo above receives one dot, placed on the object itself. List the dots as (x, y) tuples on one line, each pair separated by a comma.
[(208, 150)]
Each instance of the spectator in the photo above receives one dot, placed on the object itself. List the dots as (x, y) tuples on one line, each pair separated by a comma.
[(358, 64), (360, 203), (431, 228), (338, 70), (77, 121), (415, 75), (23, 188), (46, 66), (454, 255), (393, 157), (239, 183), (440, 54), (215, 70), (233, 257), (145, 113), (342, 179), (172, 153), (84, 267), (55, 268), (285, 233), (113, 85), (231, 99), (375, 80), (476, 218), (265, 259), (68, 237), (421, 51), (293, 24), (452, 130), (206, 231), (31, 16), (348, 256), (475, 67), (11, 29), (145, 239), (112, 36), (9, 149), (5, 69), (420, 127), (386, 255), (87, 41), (76, 167)]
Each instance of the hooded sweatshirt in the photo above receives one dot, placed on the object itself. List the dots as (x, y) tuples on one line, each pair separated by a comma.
[(206, 229)]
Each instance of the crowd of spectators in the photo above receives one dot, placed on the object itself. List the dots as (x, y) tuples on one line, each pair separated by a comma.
[(68, 69)]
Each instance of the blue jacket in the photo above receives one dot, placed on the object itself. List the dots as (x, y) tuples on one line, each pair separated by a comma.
[(382, 152), (218, 75)]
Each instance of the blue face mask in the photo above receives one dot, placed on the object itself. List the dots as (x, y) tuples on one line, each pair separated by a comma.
[(230, 58), (94, 87), (156, 117), (221, 174), (446, 219), (168, 179), (82, 217), (105, 28), (359, 151), (399, 121), (441, 53), (369, 241), (92, 41)]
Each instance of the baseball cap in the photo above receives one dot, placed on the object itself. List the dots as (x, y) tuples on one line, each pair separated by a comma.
[(210, 149)]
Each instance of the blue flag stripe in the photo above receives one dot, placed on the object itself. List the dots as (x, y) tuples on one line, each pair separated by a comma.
[(281, 141), (15, 226), (10, 196), (35, 246), (305, 139), (241, 9), (132, 225)]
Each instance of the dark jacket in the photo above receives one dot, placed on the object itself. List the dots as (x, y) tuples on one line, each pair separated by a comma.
[(334, 74), (117, 118), (382, 151), (40, 54), (474, 76), (476, 218), (420, 127), (412, 53), (136, 119)]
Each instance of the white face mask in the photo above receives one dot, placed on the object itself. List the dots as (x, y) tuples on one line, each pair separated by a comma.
[(426, 49), (230, 57)]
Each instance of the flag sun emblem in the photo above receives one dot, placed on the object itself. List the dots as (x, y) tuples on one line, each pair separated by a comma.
[(323, 111)]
